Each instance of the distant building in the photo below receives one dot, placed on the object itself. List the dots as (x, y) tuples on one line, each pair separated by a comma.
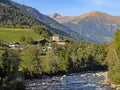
[(14, 45), (40, 42), (49, 47), (61, 42), (58, 40)]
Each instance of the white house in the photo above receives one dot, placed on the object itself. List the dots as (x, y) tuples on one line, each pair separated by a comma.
[(61, 42), (58, 40), (14, 45)]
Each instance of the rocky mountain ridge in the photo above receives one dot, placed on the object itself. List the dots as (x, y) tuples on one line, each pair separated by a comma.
[(96, 26)]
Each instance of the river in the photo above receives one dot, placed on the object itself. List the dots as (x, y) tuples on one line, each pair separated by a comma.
[(75, 81)]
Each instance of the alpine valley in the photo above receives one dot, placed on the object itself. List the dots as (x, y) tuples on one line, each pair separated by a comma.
[(54, 52)]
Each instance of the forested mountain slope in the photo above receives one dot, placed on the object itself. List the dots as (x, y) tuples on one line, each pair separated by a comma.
[(14, 16), (57, 27)]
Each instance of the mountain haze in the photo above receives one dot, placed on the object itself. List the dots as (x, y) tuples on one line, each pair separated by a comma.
[(96, 26)]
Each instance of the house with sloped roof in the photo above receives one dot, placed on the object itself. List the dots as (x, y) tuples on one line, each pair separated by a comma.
[(41, 42), (58, 40), (14, 45)]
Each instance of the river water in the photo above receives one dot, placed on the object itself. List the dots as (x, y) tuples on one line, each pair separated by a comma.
[(75, 81)]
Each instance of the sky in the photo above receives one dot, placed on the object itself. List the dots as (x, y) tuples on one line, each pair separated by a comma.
[(73, 7)]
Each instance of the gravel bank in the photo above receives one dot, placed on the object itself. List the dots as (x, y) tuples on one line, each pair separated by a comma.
[(107, 81)]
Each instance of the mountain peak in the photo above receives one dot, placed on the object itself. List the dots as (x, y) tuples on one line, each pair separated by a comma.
[(55, 15), (96, 13)]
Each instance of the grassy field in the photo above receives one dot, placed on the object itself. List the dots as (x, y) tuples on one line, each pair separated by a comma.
[(14, 34)]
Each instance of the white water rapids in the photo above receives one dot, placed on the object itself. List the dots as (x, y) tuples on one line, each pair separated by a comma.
[(75, 81)]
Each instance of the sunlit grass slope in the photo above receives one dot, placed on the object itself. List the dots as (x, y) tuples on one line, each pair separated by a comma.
[(14, 34)]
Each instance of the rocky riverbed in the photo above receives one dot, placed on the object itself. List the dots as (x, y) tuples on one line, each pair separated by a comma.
[(108, 82), (75, 81)]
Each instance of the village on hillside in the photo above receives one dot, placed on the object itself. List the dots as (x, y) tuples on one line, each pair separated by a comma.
[(43, 42)]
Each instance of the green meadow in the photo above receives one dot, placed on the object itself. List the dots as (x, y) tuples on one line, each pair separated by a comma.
[(14, 34)]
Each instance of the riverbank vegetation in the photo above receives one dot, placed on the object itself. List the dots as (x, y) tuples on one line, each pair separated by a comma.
[(113, 58), (32, 62)]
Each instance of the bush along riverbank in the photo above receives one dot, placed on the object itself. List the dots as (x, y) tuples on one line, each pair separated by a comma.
[(113, 61)]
